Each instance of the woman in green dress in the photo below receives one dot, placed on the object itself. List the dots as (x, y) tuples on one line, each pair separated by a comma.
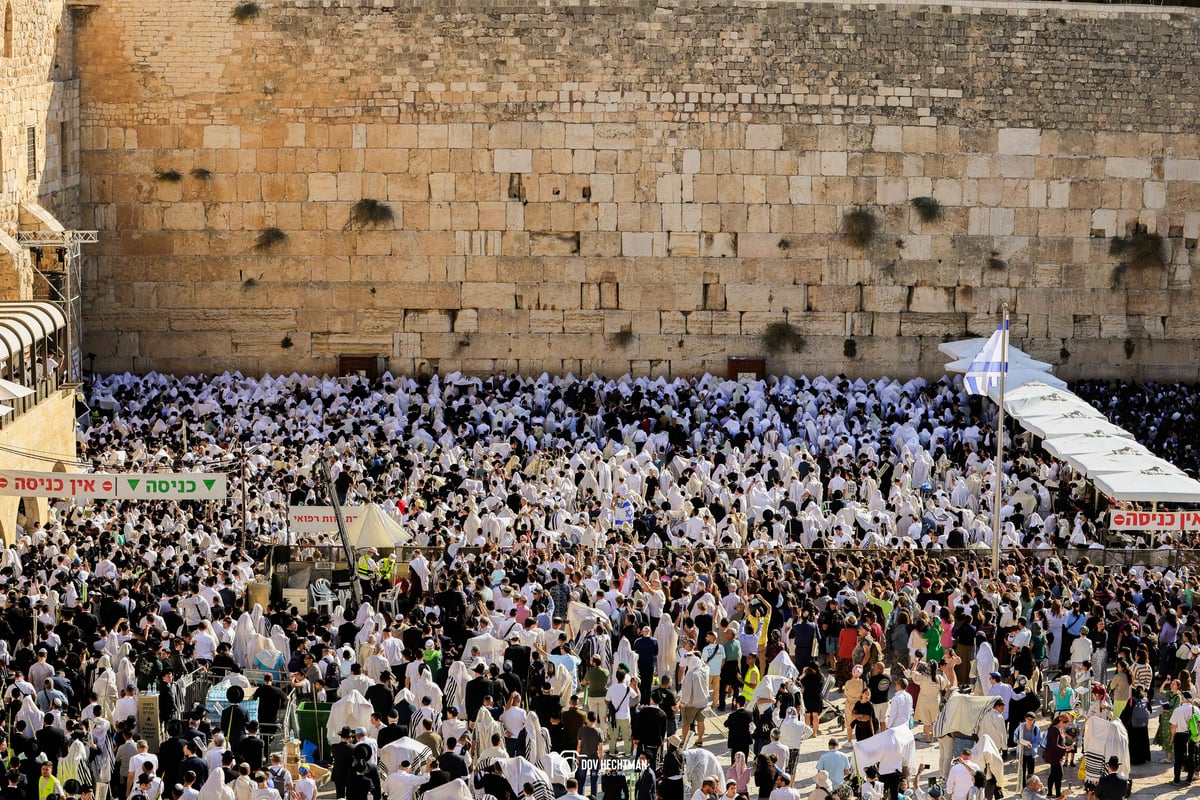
[(1171, 695)]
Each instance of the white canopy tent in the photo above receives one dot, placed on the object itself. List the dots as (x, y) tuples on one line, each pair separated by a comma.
[(1055, 427), (1108, 463), (1149, 486), (1065, 446), (374, 528), (1071, 424)]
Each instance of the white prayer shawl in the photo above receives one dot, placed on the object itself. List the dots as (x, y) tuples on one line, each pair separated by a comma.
[(215, 787), (626, 656), (282, 644), (519, 771), (31, 714), (1103, 738), (486, 726), (961, 714), (562, 683), (491, 649), (887, 744), (404, 749), (364, 613), (243, 640), (74, 765), (424, 685), (556, 766), (983, 665), (700, 764), (125, 674), (352, 711), (456, 684), (986, 753), (766, 690), (783, 666), (537, 743), (403, 785), (456, 789), (105, 688), (668, 645), (577, 613)]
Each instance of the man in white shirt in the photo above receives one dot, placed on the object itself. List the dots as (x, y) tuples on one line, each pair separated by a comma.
[(708, 790), (1185, 750), (1020, 637), (306, 787), (900, 706), (962, 777), (622, 696)]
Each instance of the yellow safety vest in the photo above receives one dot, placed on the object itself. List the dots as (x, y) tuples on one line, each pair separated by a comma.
[(364, 566), (386, 567), (47, 787), (750, 683)]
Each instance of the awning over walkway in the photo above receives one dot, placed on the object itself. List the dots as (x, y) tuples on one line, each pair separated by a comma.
[(22, 323)]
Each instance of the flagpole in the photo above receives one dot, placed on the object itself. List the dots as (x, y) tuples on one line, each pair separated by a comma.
[(999, 449)]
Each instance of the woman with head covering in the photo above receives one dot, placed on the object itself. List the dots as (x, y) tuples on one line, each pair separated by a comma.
[(851, 691), (740, 773)]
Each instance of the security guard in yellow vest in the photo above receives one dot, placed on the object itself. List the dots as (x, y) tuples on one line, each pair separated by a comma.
[(367, 570), (47, 783), (387, 570)]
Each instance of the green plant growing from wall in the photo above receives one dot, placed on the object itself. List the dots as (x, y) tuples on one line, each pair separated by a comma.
[(1140, 250), (268, 238), (244, 12), (995, 261), (928, 209), (1130, 348), (168, 175), (622, 338), (369, 213), (286, 343), (850, 348), (202, 174), (859, 227), (781, 336)]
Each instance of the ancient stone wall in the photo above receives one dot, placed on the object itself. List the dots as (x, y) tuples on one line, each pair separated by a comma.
[(39, 106), (635, 186)]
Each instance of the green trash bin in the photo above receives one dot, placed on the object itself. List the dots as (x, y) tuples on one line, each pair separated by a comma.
[(313, 719)]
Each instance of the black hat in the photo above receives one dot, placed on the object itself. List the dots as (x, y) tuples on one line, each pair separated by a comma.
[(345, 732), (1114, 762)]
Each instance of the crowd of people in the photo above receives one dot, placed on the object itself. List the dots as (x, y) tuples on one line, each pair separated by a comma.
[(654, 569)]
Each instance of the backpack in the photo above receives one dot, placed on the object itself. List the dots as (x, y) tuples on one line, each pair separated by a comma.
[(333, 676), (1194, 726)]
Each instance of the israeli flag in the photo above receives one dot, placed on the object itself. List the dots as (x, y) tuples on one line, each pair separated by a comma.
[(990, 364)]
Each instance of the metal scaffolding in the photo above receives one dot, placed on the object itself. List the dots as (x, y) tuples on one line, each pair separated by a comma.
[(63, 277)]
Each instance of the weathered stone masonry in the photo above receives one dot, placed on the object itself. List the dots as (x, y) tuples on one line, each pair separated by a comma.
[(562, 172)]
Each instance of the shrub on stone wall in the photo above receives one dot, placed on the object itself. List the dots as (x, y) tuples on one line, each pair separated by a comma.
[(168, 176), (781, 336), (244, 12), (859, 227), (369, 213), (268, 238), (928, 209)]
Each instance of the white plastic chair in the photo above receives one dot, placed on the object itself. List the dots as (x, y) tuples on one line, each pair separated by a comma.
[(386, 601), (323, 598)]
